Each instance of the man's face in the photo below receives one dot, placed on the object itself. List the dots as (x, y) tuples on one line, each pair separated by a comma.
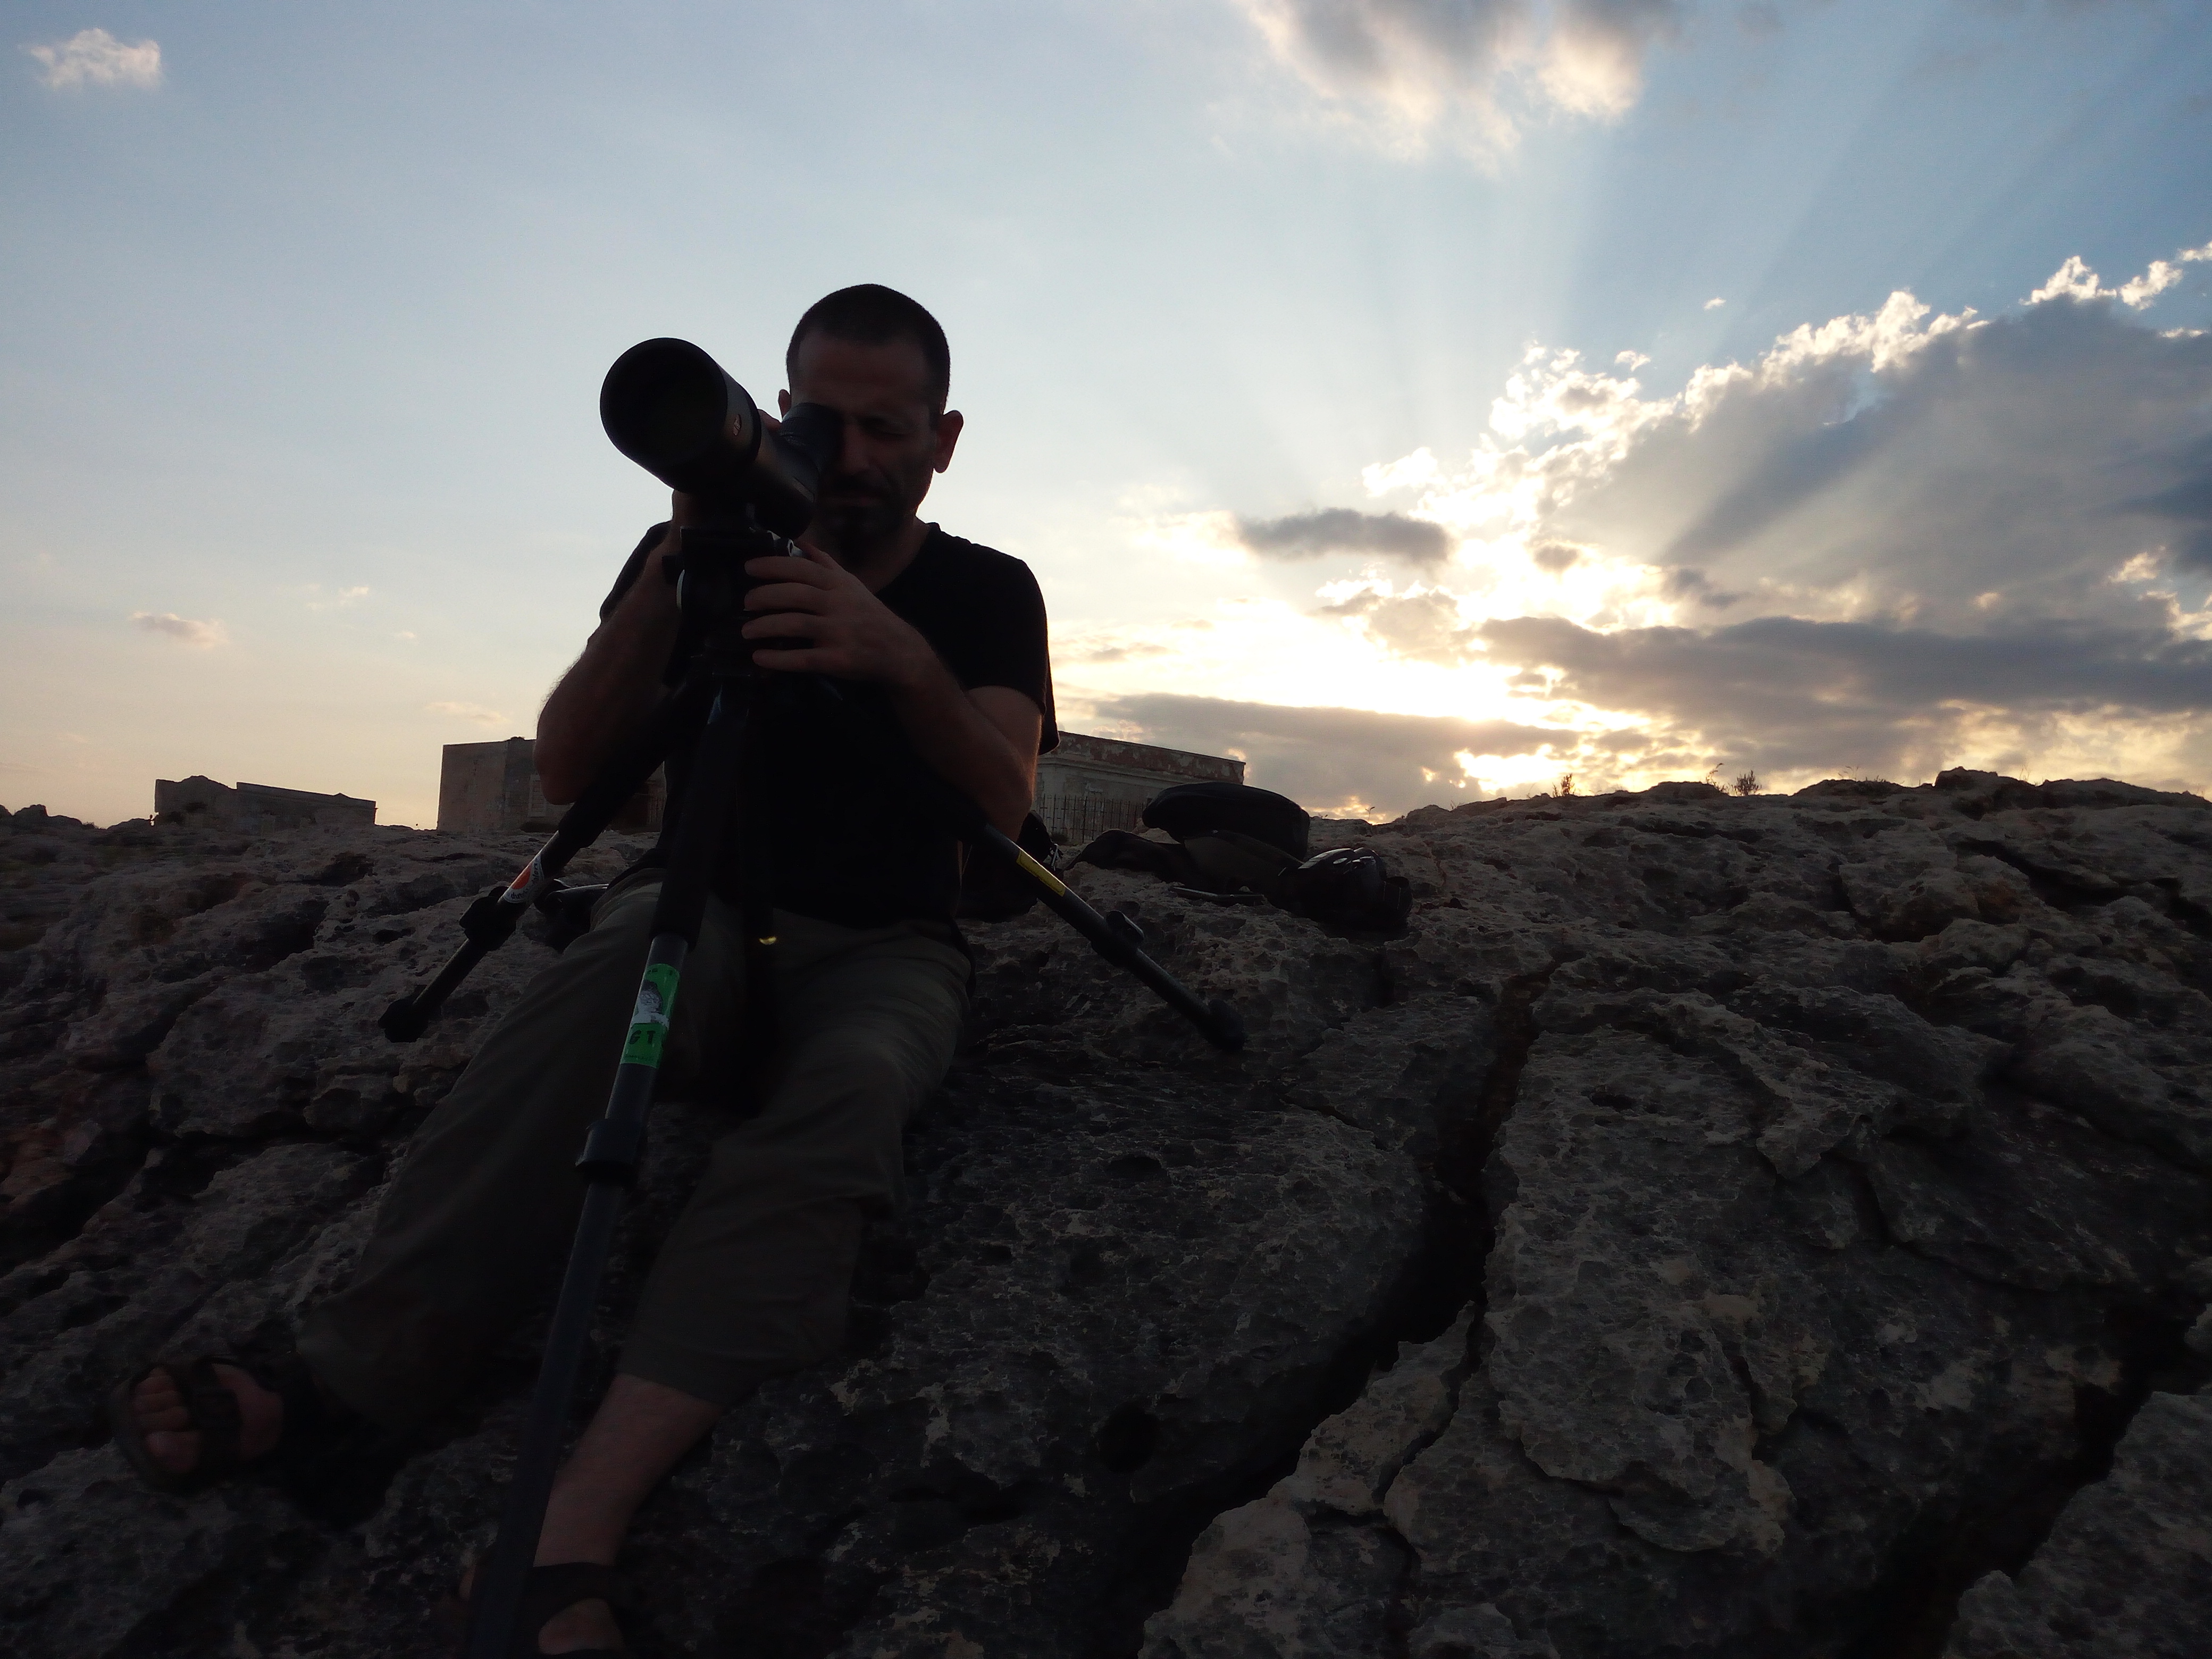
[(891, 445)]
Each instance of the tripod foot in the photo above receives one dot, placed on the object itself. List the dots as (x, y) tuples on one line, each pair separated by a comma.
[(1226, 1031), (405, 1020)]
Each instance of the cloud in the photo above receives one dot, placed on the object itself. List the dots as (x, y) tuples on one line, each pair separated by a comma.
[(1687, 582), (467, 711), (94, 57), (1131, 651), (1421, 624), (1906, 466), (2185, 509), (1411, 71), (1893, 541), (1110, 646), (1594, 58), (1345, 529), (1715, 303), (1335, 759), (1790, 695), (318, 600), (2075, 280), (183, 630)]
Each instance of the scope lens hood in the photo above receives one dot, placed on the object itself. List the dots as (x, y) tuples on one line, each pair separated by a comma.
[(671, 409)]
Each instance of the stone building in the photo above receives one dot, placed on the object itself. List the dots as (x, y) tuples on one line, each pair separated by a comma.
[(494, 786), (199, 799), (1090, 784), (1087, 785)]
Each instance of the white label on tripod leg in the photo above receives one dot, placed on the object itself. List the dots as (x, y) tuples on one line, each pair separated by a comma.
[(524, 888), (648, 1021)]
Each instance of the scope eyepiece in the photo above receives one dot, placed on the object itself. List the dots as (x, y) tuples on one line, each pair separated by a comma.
[(671, 409)]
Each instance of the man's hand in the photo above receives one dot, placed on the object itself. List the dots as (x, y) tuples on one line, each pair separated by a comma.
[(984, 741), (833, 624)]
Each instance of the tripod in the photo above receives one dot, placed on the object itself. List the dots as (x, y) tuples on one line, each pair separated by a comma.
[(722, 679)]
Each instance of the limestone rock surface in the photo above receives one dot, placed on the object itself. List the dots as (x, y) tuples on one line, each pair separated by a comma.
[(1712, 1226), (2127, 1571)]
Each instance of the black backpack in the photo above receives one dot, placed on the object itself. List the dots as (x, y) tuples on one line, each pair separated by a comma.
[(1236, 844), (1232, 843), (1185, 810)]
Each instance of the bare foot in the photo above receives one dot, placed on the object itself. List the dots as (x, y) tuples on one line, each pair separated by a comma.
[(165, 1422)]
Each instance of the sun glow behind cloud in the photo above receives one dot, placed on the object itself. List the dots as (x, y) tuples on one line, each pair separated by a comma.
[(1469, 74), (1878, 548)]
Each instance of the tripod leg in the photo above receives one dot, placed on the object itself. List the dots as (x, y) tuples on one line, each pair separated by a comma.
[(492, 919), (1216, 1021), (608, 1162)]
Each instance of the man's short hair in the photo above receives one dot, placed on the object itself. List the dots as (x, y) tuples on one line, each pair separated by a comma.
[(871, 314)]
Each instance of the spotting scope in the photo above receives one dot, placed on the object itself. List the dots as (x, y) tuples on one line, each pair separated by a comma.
[(671, 409)]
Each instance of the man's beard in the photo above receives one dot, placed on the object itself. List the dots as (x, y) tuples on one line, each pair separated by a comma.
[(856, 514)]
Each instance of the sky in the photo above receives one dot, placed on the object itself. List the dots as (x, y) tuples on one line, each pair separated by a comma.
[(1422, 399)]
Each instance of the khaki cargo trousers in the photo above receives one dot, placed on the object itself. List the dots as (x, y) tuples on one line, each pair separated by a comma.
[(754, 1277)]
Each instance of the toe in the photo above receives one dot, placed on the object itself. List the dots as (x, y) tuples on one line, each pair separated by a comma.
[(177, 1453), (158, 1408), (164, 1418)]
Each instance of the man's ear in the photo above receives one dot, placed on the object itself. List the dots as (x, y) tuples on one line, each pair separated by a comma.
[(783, 403), (948, 433)]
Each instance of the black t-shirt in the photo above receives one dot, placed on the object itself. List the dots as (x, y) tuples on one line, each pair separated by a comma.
[(848, 837)]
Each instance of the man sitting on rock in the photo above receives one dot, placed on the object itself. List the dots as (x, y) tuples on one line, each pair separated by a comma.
[(940, 647)]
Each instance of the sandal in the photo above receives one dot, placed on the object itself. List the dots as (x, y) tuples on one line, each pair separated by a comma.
[(556, 1589), (214, 1416)]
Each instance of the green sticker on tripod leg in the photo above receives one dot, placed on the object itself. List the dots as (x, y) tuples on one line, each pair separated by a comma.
[(648, 1021)]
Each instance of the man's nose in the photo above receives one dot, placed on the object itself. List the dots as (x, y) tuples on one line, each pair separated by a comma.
[(852, 451)]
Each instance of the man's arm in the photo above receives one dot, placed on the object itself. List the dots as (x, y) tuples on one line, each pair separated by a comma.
[(608, 694), (983, 742)]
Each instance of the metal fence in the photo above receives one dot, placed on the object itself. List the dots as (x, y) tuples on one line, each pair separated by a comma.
[(1075, 817)]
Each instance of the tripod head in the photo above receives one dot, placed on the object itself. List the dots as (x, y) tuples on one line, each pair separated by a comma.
[(670, 407)]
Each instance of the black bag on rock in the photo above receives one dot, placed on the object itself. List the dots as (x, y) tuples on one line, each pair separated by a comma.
[(1185, 810), (1125, 849), (1217, 864), (1229, 862), (1239, 845), (1347, 887)]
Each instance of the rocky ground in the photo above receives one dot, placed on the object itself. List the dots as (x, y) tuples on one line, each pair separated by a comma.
[(1771, 1226)]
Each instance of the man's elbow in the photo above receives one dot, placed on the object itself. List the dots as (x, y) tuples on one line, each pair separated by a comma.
[(1011, 808), (560, 779)]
